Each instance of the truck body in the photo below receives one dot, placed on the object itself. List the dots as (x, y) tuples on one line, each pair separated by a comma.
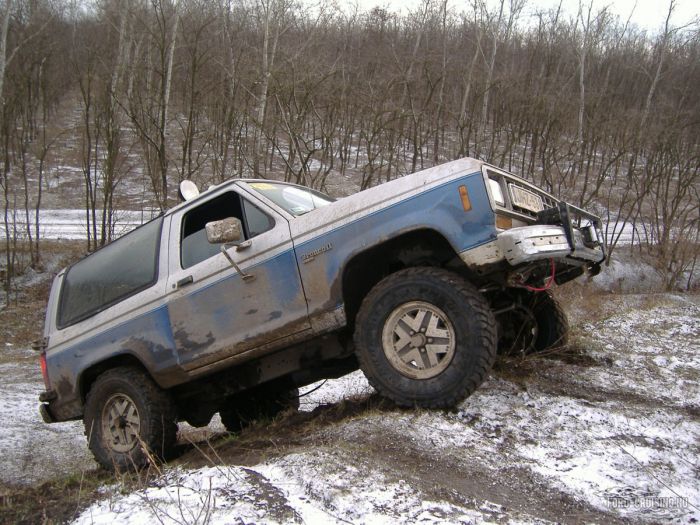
[(207, 321)]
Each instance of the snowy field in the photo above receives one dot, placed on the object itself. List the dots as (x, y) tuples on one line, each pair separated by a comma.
[(609, 435), (72, 224)]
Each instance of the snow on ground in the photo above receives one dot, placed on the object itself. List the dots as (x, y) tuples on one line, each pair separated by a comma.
[(626, 273), (25, 441), (655, 355), (605, 453), (617, 434), (296, 489), (71, 224), (334, 391), (614, 437)]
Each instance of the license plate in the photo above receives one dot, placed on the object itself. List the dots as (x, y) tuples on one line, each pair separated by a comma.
[(526, 199)]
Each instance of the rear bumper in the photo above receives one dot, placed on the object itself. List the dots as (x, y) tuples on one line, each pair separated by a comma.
[(46, 414), (55, 410), (44, 408)]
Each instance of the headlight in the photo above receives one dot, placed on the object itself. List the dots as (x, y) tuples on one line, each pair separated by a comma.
[(497, 192)]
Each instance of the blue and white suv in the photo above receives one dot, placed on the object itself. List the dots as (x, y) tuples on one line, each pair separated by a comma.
[(234, 299)]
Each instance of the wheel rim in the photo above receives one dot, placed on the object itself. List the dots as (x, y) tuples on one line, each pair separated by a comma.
[(418, 340), (120, 423)]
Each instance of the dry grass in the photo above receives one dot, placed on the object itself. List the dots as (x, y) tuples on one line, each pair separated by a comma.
[(57, 501), (63, 499)]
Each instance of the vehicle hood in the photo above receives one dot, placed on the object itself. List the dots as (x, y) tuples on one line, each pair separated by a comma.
[(365, 202)]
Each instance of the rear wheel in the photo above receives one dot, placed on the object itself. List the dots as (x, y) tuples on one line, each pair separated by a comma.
[(425, 337), (128, 419), (249, 406)]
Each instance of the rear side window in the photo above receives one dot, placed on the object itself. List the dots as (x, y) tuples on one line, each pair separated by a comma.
[(117, 271)]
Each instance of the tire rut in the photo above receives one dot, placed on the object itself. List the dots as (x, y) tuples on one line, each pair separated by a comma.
[(471, 482)]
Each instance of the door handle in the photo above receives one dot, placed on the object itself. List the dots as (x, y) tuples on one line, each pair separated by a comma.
[(185, 281)]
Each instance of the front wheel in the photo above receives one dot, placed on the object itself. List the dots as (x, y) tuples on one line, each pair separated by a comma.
[(128, 420), (534, 322), (425, 337)]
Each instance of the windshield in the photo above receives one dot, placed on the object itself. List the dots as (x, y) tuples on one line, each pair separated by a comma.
[(297, 200)]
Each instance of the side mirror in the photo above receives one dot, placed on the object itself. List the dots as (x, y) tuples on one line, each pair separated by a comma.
[(228, 230)]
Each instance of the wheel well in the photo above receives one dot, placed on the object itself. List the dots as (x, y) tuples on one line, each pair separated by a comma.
[(89, 375), (364, 270)]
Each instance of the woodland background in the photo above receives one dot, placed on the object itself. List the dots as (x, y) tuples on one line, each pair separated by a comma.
[(105, 97)]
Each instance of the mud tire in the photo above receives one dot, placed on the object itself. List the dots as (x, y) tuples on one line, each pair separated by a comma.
[(552, 324), (250, 406), (537, 324), (467, 318), (156, 431)]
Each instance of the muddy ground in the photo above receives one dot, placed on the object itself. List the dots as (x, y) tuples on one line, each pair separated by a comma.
[(606, 431)]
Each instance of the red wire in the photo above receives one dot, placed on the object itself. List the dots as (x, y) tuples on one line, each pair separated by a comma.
[(547, 285)]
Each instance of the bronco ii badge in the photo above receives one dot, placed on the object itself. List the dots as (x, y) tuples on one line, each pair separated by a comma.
[(308, 257)]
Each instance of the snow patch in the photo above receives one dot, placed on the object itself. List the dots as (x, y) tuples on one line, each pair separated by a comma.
[(307, 488)]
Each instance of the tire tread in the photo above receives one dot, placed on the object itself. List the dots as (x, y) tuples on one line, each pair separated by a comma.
[(161, 433), (479, 307)]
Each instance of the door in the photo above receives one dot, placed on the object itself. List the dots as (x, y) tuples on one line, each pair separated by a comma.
[(217, 312)]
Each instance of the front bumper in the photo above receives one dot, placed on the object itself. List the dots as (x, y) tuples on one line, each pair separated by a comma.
[(555, 237)]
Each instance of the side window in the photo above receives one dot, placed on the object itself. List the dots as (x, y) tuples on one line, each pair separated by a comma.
[(195, 248), (111, 274)]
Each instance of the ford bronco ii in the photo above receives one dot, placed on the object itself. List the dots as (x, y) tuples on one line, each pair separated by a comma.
[(234, 299)]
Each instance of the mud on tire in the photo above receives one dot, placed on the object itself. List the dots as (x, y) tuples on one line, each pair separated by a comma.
[(425, 337), (128, 420)]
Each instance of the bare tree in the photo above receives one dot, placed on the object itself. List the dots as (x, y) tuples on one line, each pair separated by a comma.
[(148, 96), (597, 111)]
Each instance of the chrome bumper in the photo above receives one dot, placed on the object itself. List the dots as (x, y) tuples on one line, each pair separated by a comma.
[(532, 243)]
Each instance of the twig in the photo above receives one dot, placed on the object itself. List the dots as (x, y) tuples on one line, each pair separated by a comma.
[(658, 479)]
